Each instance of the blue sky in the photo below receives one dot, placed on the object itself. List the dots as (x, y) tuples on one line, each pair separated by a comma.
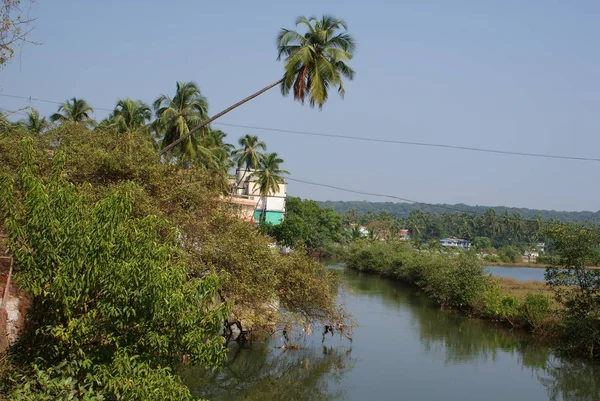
[(511, 75)]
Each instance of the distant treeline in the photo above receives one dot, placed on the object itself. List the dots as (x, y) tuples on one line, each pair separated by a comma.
[(403, 210)]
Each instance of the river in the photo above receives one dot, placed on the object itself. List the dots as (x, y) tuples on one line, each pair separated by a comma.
[(404, 348), (518, 273)]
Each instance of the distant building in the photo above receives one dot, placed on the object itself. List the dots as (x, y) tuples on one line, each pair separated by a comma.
[(364, 232), (403, 235), (246, 195), (455, 243)]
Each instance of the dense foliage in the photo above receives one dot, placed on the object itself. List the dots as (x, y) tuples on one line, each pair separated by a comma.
[(577, 288), (485, 231), (306, 225), (403, 210), (456, 280), (123, 254)]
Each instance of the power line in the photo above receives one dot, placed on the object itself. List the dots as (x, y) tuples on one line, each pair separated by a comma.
[(35, 99), (355, 191), (365, 139), (358, 138)]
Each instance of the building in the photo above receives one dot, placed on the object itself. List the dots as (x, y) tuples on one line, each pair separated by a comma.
[(403, 235), (246, 195), (455, 243), (362, 230)]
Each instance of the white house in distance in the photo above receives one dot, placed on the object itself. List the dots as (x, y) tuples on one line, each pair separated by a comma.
[(246, 194), (455, 243)]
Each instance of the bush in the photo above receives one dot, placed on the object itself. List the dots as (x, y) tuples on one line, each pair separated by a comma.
[(499, 306), (536, 309), (492, 258), (510, 254), (454, 281)]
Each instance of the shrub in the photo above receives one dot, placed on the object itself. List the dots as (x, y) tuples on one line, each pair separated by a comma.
[(102, 281), (499, 306), (535, 310), (510, 254)]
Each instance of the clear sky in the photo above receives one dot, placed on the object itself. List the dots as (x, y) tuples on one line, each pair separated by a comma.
[(512, 75)]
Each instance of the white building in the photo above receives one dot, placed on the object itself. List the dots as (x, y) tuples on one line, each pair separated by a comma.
[(247, 194), (455, 243)]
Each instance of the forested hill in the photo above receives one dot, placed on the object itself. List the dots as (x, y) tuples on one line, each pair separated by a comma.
[(404, 209)]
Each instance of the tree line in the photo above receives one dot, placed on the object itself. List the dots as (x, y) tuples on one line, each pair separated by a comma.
[(401, 209)]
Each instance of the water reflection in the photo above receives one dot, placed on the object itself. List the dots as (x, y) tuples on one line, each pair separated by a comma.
[(404, 348), (262, 372)]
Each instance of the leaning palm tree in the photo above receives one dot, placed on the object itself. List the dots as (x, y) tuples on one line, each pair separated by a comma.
[(268, 177), (248, 155), (176, 116), (130, 115), (34, 123), (75, 110), (315, 61)]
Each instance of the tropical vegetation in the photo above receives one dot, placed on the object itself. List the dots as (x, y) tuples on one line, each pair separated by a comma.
[(74, 110)]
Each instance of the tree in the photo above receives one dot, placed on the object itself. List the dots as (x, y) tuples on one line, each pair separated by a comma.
[(123, 305), (268, 177), (576, 288), (175, 117), (314, 62), (34, 123), (75, 110), (15, 27), (248, 154), (130, 115)]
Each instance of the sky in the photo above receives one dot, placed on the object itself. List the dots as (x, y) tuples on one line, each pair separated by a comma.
[(512, 75)]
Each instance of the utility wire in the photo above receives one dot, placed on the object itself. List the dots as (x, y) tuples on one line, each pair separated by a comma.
[(355, 191), (453, 209), (35, 99), (358, 138), (364, 139)]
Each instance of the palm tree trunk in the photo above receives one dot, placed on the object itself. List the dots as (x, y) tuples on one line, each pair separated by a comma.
[(213, 118)]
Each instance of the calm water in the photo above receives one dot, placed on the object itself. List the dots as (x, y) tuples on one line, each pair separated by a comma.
[(405, 348), (518, 273)]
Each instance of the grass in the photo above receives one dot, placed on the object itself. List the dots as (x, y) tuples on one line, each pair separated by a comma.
[(520, 289)]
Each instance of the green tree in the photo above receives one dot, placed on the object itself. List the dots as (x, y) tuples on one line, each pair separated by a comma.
[(130, 115), (308, 225), (75, 110), (480, 243), (120, 289), (218, 159), (248, 155), (576, 288), (34, 123), (268, 177), (176, 116), (315, 61)]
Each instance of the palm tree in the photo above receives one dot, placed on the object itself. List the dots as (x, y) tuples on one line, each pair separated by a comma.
[(248, 154), (130, 115), (35, 124), (268, 177), (214, 151), (314, 62), (75, 110), (175, 117)]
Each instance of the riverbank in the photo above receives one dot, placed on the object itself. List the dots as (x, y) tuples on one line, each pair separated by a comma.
[(460, 282)]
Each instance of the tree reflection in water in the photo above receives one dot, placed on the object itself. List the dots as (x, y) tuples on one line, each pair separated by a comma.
[(261, 372), (459, 340)]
